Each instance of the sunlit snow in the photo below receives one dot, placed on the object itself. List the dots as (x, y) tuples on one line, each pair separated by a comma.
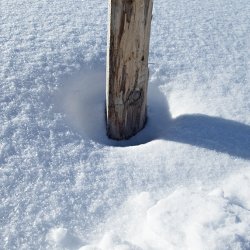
[(181, 183)]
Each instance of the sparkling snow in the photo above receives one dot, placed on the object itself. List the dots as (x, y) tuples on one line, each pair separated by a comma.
[(182, 183)]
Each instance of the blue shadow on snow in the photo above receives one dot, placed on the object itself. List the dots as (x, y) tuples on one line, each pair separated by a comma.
[(82, 99), (213, 133)]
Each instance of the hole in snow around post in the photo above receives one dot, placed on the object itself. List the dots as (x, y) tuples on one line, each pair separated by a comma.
[(82, 99)]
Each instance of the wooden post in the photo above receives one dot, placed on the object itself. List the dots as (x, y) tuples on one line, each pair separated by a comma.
[(127, 67)]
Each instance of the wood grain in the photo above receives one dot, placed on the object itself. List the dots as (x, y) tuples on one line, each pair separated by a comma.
[(127, 66)]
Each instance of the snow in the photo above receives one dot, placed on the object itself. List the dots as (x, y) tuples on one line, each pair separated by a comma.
[(182, 183), (184, 219)]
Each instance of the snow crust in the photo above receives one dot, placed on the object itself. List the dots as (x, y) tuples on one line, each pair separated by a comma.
[(183, 219), (182, 183)]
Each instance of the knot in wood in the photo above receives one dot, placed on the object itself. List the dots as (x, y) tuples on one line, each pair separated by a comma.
[(135, 97)]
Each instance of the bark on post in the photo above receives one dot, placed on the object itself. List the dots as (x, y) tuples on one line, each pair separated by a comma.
[(127, 67)]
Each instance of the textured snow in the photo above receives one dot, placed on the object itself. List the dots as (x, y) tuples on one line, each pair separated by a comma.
[(184, 219), (182, 183)]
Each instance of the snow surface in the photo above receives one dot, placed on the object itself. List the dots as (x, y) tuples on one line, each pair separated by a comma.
[(182, 183)]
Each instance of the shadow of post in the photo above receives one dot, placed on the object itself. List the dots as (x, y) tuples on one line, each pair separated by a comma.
[(82, 99), (213, 133)]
